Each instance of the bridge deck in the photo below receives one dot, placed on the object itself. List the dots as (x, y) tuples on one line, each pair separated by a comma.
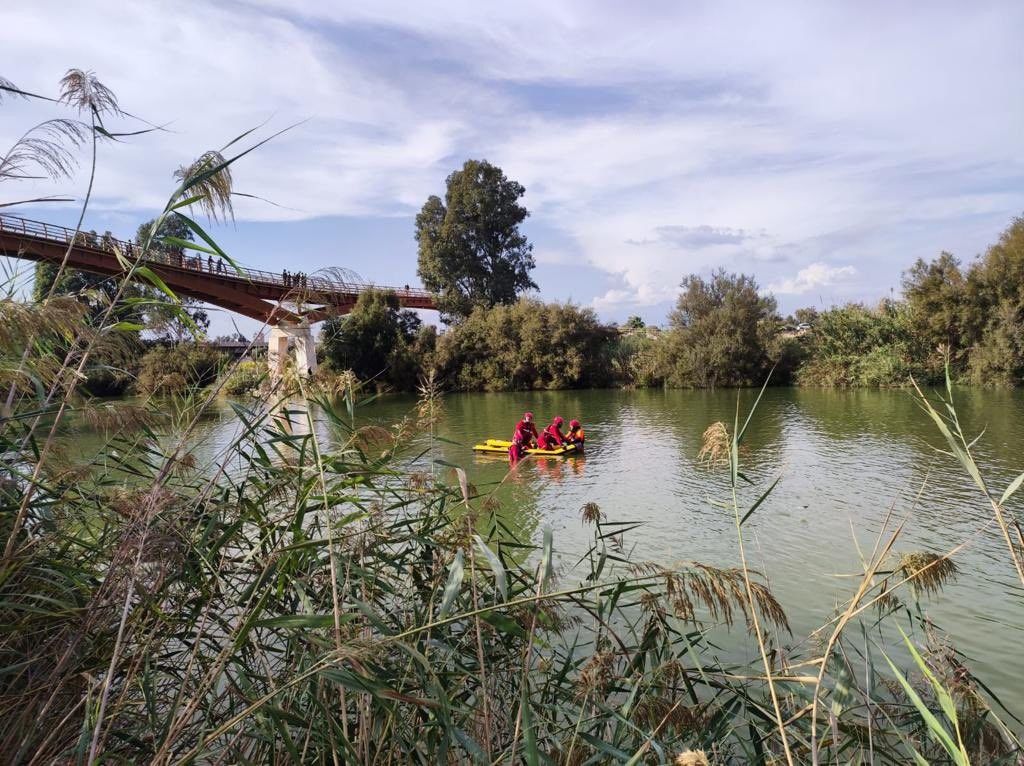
[(252, 292)]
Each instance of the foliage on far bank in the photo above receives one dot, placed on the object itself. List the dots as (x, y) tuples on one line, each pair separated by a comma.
[(173, 369), (380, 342), (525, 345), (855, 345), (719, 333), (245, 378)]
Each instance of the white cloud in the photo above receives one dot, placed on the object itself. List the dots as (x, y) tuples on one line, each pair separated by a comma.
[(621, 300), (811, 277), (774, 137)]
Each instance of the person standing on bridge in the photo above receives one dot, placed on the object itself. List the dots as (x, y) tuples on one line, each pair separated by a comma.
[(209, 263), (284, 277)]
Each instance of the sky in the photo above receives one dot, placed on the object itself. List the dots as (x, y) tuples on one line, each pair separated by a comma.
[(822, 147)]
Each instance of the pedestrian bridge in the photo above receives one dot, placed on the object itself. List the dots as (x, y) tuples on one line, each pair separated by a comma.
[(287, 305)]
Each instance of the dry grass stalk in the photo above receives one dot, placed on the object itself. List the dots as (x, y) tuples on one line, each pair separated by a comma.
[(85, 92), (209, 178), (720, 591), (373, 438), (692, 758), (9, 88), (430, 406), (591, 513), (331, 384), (597, 675), (116, 418), (21, 322), (926, 572), (47, 150), (715, 445)]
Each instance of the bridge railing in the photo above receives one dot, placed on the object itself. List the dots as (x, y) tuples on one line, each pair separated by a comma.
[(184, 260)]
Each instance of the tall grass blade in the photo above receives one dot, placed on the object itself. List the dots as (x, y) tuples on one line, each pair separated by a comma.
[(1011, 489), (500, 579), (935, 728), (456, 572), (756, 505)]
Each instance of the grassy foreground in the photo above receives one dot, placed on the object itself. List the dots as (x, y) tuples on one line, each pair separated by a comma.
[(329, 602)]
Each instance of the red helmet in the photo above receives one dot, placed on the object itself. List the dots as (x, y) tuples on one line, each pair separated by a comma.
[(527, 416), (574, 424), (558, 420)]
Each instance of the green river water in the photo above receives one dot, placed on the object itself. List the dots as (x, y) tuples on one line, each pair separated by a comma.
[(846, 458)]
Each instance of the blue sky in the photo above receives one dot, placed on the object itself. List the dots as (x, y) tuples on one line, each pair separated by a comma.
[(821, 147)]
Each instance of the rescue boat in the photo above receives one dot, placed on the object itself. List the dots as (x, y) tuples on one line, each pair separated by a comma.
[(500, 446)]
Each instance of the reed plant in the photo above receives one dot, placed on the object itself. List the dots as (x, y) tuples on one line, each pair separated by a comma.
[(325, 592)]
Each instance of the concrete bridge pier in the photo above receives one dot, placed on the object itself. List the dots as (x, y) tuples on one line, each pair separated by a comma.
[(294, 337)]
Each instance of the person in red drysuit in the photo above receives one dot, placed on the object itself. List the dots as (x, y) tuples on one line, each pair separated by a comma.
[(523, 438), (552, 436)]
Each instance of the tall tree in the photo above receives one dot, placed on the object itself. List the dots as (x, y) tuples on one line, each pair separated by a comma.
[(146, 305), (374, 340), (995, 310), (107, 373), (935, 293), (722, 327), (471, 252)]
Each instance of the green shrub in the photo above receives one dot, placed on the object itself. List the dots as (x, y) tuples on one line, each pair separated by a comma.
[(786, 354), (172, 369), (998, 360), (854, 345), (634, 358), (114, 365), (721, 329), (245, 379), (526, 345), (378, 341)]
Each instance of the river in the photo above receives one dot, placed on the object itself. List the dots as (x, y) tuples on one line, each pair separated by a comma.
[(846, 460)]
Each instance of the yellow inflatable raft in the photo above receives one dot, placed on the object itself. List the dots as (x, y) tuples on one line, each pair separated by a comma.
[(498, 446)]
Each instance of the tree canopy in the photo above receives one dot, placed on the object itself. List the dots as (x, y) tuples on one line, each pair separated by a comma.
[(526, 345), (722, 327), (94, 290), (935, 297), (374, 341), (471, 252)]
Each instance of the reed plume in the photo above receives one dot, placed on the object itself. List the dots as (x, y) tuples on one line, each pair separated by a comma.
[(209, 178)]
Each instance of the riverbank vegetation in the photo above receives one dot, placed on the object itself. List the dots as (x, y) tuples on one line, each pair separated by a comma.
[(725, 331), (525, 345), (321, 591)]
